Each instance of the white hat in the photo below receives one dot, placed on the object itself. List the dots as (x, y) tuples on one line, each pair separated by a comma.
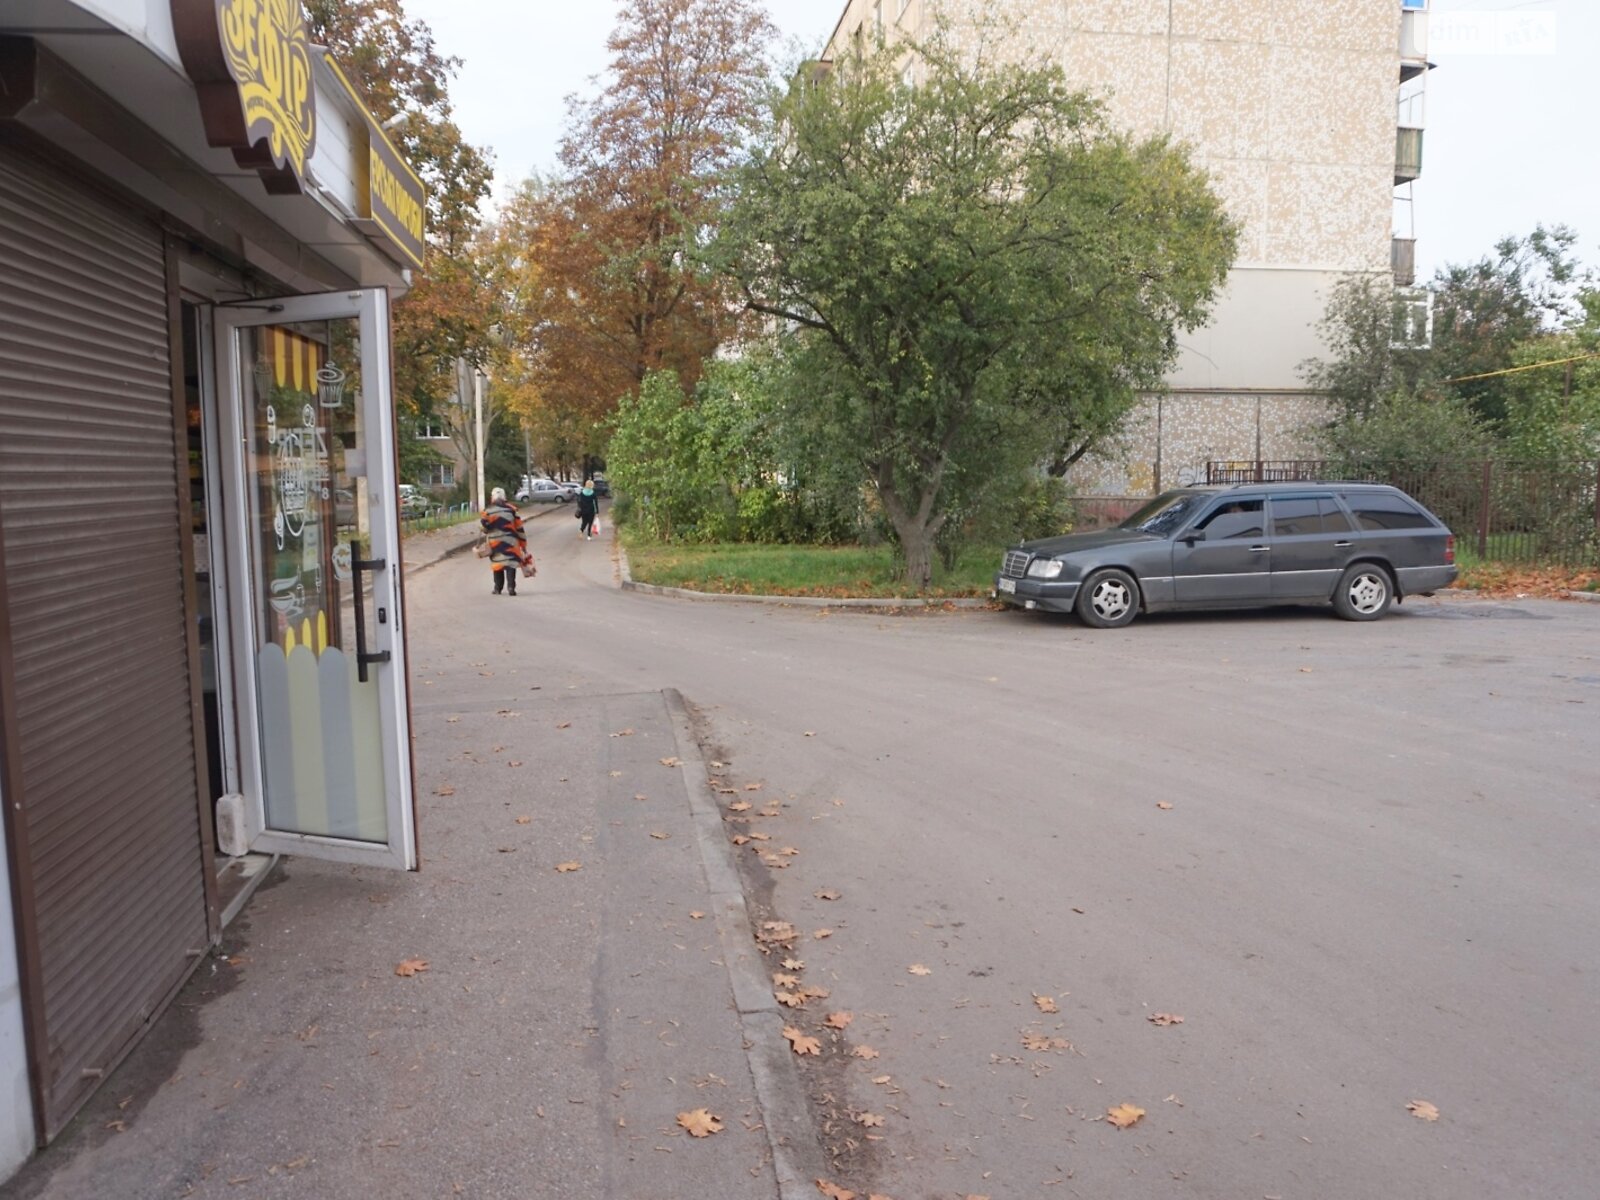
[(498, 494)]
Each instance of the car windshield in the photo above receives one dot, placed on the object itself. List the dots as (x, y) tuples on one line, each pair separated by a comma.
[(1165, 513)]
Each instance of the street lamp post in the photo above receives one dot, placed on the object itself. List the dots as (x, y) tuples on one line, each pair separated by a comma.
[(477, 441)]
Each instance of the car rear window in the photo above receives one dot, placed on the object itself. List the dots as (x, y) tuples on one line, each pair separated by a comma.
[(1384, 510), (1296, 516)]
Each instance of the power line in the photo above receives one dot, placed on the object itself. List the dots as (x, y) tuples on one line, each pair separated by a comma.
[(1554, 362)]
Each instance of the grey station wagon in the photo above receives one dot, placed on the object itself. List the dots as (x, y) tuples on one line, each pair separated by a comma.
[(1357, 546)]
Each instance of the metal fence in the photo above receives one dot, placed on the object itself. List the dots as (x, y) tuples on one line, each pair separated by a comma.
[(1547, 512)]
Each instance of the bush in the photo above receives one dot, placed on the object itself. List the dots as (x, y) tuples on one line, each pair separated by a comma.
[(1408, 432)]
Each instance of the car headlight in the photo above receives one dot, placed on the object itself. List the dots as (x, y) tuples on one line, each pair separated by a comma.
[(1045, 568)]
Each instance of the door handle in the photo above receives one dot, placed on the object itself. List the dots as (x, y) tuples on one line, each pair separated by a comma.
[(357, 566), (1342, 545), (1259, 549)]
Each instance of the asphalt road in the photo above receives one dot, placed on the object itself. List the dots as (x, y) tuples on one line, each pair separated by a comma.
[(1375, 883)]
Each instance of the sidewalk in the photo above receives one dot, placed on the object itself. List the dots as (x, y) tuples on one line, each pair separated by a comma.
[(563, 1021)]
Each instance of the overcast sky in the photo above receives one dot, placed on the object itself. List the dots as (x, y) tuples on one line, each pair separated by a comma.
[(1510, 136)]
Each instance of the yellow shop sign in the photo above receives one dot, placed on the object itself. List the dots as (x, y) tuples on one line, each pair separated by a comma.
[(250, 61)]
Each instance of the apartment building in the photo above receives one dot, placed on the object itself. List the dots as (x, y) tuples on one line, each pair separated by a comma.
[(1291, 108)]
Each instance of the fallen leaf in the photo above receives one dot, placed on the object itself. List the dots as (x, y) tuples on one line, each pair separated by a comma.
[(514, 763), (740, 806), (1046, 1004), (670, 762), (453, 720), (1163, 804), (1164, 1019), (524, 820), (695, 915), (776, 931), (801, 1043), (660, 837), (838, 1020), (826, 894), (833, 1191), (794, 964), (1423, 1110), (738, 839), (629, 733), (699, 1122), (866, 1052), (1124, 1116), (444, 790), (870, 1120), (788, 851), (918, 969), (613, 774), (789, 999), (882, 1078), (1040, 1042), (780, 980), (1079, 911), (820, 934), (1305, 670), (117, 1126), (567, 867), (565, 725), (815, 993), (753, 787), (762, 837), (640, 796), (411, 966)]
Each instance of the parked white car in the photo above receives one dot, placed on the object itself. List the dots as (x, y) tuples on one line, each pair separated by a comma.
[(545, 491)]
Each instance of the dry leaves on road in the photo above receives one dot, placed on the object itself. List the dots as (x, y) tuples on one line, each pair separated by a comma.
[(696, 915), (1124, 1116), (833, 1191), (780, 980), (866, 1052), (700, 1123), (1423, 1110), (407, 968), (1042, 1042), (564, 725), (821, 934), (628, 733), (794, 964), (1163, 804), (444, 790), (738, 839), (524, 820), (776, 931), (740, 806), (827, 894), (568, 867), (1164, 1019), (869, 1120), (1046, 1004), (800, 1042), (659, 836), (670, 762), (918, 969), (838, 1020)]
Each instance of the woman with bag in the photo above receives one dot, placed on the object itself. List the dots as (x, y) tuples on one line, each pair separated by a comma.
[(588, 509), (505, 544)]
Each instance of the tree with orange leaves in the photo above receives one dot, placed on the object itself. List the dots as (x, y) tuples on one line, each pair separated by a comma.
[(642, 162)]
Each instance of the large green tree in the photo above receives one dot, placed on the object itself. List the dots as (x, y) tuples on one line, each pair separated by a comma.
[(975, 262)]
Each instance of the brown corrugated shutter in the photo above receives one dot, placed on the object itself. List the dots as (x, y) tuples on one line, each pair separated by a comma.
[(110, 860)]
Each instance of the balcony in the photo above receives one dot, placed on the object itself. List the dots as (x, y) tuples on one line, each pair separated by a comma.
[(1403, 261), (1413, 44), (1407, 155)]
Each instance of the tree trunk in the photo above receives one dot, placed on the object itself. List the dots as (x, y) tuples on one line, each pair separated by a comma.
[(917, 545)]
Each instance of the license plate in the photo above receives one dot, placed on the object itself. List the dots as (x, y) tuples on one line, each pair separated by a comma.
[(1008, 585)]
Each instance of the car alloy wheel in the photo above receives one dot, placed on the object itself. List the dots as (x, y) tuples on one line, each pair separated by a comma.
[(1109, 598), (1363, 594)]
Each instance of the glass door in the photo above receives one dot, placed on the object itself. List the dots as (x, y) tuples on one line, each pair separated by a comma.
[(314, 564)]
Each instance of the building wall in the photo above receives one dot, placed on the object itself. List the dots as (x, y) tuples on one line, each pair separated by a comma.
[(16, 1102), (1288, 105)]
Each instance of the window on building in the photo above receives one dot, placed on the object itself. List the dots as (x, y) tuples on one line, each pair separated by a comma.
[(430, 427), (441, 475)]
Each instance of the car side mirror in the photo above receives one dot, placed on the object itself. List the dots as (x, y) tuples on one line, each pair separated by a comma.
[(1194, 535)]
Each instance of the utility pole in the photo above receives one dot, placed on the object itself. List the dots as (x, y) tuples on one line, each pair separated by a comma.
[(477, 440)]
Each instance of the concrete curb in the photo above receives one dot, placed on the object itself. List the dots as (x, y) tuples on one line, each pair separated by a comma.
[(651, 589), (1591, 597), (797, 1155)]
